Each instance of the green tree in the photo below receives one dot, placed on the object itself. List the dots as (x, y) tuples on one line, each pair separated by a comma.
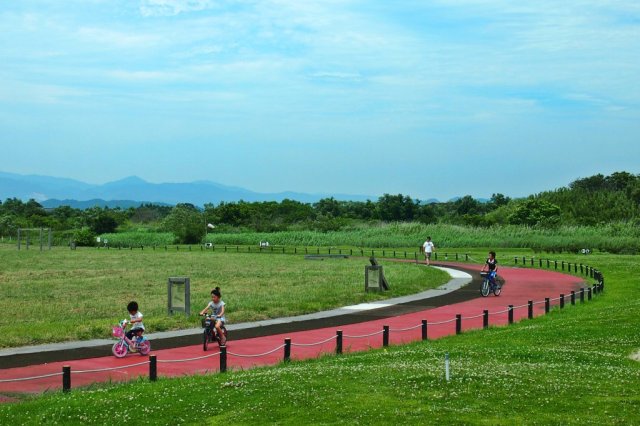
[(535, 212), (186, 222)]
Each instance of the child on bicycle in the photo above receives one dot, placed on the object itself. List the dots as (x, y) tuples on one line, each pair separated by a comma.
[(491, 265), (137, 327), (217, 309)]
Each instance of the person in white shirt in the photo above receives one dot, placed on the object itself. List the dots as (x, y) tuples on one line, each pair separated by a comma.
[(428, 247)]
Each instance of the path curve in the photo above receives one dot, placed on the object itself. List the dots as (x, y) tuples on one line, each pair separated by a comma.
[(521, 286)]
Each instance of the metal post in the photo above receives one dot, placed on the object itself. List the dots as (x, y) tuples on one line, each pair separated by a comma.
[(561, 300), (582, 295), (287, 349), (339, 342), (530, 309), (424, 330), (223, 358), (458, 323), (485, 318), (66, 378), (153, 368), (385, 335), (40, 239), (573, 297), (589, 293), (510, 314), (19, 239), (547, 304)]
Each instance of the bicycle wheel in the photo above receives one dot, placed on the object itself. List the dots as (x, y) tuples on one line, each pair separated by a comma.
[(205, 340), (497, 289), (484, 290), (119, 349), (144, 347)]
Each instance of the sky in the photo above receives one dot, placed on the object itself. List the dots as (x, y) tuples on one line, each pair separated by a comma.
[(432, 99)]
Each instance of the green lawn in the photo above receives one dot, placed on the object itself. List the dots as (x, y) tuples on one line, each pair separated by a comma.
[(61, 294), (569, 367)]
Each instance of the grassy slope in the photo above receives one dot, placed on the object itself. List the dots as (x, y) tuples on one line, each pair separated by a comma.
[(70, 295), (570, 367)]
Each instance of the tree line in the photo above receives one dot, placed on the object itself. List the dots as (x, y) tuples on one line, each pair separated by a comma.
[(594, 200)]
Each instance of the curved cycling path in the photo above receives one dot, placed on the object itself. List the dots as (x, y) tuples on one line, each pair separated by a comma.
[(521, 286)]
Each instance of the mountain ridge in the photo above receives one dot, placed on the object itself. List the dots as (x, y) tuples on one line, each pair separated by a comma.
[(132, 189)]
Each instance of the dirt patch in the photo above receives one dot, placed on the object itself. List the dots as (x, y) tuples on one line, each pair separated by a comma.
[(635, 356)]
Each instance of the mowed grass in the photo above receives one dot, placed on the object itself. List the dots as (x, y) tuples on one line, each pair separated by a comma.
[(62, 295), (572, 366)]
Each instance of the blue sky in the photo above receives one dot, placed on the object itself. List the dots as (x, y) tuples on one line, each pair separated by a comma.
[(433, 99)]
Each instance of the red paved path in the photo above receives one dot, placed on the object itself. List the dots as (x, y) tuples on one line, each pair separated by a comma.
[(521, 286)]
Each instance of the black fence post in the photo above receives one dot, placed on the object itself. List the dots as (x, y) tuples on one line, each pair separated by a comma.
[(66, 378), (485, 318), (530, 309), (563, 265), (556, 263), (547, 305), (515, 260), (582, 295), (532, 260), (223, 359), (339, 342), (466, 257), (287, 349), (573, 297), (589, 293), (548, 263), (458, 323), (540, 263), (561, 300), (510, 314), (153, 368), (424, 330), (385, 335)]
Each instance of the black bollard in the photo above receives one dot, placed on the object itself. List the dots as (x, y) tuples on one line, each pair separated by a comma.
[(424, 330), (589, 293), (547, 305), (561, 300), (339, 342), (458, 323), (485, 318), (287, 349), (385, 335), (530, 309), (223, 359), (573, 297), (66, 378), (153, 368), (582, 295), (510, 314)]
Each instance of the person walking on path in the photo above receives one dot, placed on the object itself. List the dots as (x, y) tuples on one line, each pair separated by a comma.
[(428, 247)]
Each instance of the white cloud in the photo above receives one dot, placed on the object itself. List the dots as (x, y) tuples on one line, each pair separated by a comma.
[(173, 7)]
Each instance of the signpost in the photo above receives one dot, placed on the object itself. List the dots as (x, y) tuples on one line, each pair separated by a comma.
[(179, 295)]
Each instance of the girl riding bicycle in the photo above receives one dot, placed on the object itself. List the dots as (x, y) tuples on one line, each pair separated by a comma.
[(217, 309), (491, 265)]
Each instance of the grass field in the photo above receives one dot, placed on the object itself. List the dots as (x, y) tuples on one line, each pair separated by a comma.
[(614, 238), (569, 367), (61, 295)]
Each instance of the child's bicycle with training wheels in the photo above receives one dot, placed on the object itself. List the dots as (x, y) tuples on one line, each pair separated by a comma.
[(210, 333), (490, 284), (124, 345)]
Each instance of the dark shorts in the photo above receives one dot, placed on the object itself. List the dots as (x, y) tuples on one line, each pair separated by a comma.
[(134, 332)]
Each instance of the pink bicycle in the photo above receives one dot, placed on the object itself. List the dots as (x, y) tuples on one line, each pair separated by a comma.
[(124, 345)]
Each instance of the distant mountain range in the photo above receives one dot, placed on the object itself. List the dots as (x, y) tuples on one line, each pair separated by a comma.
[(133, 191)]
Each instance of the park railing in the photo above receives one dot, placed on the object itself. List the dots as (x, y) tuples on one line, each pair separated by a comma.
[(575, 297)]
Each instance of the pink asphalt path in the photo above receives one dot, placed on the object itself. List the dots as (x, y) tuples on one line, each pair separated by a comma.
[(521, 286)]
